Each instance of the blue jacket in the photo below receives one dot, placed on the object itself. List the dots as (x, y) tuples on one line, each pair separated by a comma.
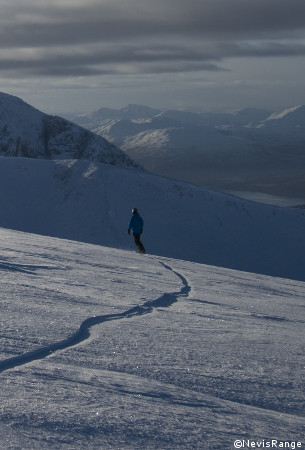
[(136, 224)]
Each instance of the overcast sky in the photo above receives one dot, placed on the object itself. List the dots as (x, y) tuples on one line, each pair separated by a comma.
[(77, 56)]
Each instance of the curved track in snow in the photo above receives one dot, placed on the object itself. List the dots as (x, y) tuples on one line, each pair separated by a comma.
[(83, 333)]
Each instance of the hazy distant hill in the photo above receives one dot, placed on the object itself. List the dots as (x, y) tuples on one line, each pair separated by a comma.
[(246, 150)]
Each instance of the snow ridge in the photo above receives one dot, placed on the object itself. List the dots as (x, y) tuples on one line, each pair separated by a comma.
[(83, 333)]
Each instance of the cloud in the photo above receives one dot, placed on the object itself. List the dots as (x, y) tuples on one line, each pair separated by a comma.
[(70, 22), (107, 59), (71, 37)]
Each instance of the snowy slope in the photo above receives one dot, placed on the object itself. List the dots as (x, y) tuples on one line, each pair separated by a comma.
[(106, 349), (288, 118), (27, 132), (91, 202)]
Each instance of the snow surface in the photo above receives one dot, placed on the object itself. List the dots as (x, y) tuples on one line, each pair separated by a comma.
[(171, 354)]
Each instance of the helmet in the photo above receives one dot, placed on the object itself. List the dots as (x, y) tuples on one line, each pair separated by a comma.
[(135, 211)]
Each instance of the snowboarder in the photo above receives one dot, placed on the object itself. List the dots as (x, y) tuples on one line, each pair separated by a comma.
[(136, 226)]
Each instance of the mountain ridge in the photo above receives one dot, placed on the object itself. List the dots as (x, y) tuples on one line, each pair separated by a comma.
[(26, 131)]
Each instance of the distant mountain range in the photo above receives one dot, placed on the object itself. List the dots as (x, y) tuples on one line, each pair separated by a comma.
[(251, 149)]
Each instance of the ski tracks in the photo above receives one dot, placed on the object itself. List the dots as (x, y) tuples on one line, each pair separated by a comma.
[(83, 333)]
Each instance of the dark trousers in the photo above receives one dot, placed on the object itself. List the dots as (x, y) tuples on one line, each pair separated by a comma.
[(138, 242)]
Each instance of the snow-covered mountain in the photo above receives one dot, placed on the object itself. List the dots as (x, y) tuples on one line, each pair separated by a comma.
[(26, 131), (246, 150)]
